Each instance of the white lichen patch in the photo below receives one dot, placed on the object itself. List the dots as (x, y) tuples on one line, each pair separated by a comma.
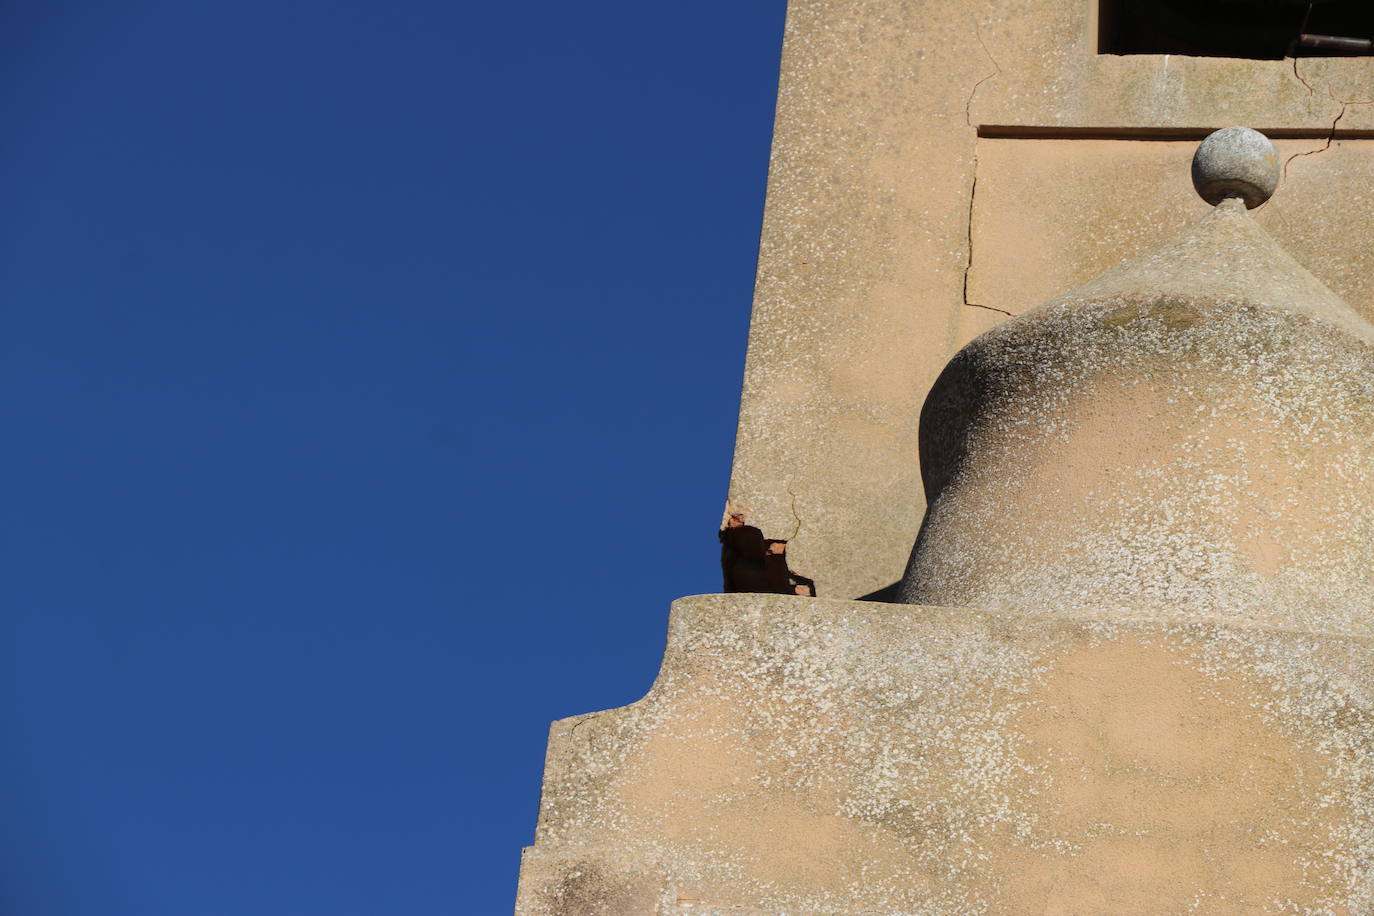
[(827, 757)]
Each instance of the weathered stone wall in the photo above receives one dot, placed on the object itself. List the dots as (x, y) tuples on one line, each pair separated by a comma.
[(1156, 489), (809, 756), (894, 234)]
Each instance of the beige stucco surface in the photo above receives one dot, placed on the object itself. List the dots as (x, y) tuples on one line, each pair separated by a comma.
[(1050, 214), (810, 756), (877, 211), (1136, 671), (1190, 433)]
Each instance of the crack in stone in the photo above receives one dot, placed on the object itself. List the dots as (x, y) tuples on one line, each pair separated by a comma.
[(990, 308), (797, 529), (1298, 76), (1346, 105), (572, 733), (997, 70), (1330, 138), (968, 253), (973, 185), (968, 257)]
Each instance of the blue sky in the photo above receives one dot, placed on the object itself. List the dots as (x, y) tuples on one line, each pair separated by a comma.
[(370, 373)]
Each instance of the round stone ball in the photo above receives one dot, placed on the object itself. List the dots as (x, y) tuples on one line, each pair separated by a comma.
[(1236, 162)]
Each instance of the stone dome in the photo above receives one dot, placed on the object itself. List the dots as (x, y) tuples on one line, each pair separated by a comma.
[(1189, 435)]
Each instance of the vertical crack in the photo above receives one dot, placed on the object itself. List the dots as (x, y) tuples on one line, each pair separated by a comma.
[(968, 251), (973, 184), (796, 530)]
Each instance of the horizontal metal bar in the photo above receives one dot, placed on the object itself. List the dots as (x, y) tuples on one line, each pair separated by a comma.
[(1039, 132)]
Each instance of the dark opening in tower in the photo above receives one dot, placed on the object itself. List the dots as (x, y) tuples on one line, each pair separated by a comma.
[(1257, 29)]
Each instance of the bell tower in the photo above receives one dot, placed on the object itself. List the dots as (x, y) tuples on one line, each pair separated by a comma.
[(1073, 464)]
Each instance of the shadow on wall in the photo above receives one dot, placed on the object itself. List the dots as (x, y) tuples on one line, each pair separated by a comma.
[(944, 428), (887, 594)]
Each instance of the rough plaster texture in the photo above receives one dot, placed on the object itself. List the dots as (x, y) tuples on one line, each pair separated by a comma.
[(808, 756), (1158, 491), (1191, 433), (1053, 213), (861, 296)]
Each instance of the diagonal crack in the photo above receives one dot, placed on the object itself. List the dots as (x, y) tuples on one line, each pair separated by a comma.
[(1299, 77), (572, 734), (990, 308), (1346, 105), (997, 69), (1330, 138)]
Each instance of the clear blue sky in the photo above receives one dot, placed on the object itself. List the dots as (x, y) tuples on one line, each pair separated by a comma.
[(370, 373)]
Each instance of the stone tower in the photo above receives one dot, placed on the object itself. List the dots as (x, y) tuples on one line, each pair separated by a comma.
[(1117, 652)]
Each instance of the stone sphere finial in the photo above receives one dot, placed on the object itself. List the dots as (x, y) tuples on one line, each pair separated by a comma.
[(1236, 162)]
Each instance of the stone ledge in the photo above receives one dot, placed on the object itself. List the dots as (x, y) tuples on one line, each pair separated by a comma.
[(809, 756)]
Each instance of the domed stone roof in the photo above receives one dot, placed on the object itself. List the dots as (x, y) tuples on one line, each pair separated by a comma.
[(1189, 435)]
